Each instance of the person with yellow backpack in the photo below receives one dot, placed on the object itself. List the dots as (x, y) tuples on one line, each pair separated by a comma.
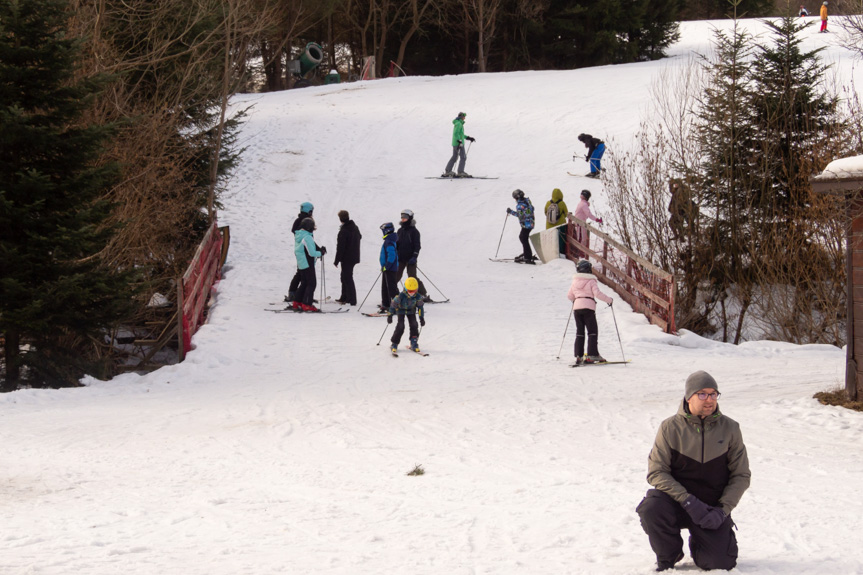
[(555, 215)]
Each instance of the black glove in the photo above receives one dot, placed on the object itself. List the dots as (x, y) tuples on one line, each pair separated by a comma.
[(390, 318), (469, 138), (422, 321), (323, 251), (702, 514), (610, 303)]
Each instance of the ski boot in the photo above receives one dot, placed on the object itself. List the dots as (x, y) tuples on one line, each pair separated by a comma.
[(463, 175), (519, 258), (296, 306), (594, 359), (394, 348), (579, 360), (311, 308), (414, 346), (290, 297), (448, 175)]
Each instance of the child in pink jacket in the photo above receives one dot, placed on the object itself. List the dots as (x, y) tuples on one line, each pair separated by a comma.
[(583, 294)]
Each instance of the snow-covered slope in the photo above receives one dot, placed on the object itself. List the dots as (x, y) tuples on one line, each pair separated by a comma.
[(282, 443)]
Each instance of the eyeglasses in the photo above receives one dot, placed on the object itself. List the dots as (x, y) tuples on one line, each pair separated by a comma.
[(702, 395)]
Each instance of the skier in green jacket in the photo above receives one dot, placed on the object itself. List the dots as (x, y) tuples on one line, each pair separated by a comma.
[(458, 139)]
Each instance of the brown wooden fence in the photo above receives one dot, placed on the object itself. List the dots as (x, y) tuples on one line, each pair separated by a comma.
[(645, 287), (195, 286)]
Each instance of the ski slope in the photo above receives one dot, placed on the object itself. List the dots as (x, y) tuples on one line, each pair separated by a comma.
[(282, 444)]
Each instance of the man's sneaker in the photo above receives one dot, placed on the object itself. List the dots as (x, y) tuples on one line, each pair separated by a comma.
[(309, 307), (463, 175), (297, 306), (594, 359), (448, 175)]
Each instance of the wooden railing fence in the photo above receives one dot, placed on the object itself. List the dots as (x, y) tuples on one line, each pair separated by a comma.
[(195, 286), (647, 288)]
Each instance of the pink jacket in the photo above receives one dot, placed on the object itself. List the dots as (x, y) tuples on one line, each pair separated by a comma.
[(582, 211), (584, 291)]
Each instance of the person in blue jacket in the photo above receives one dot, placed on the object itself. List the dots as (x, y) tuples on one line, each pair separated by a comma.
[(389, 266), (306, 250), (595, 150), (306, 211), (524, 211)]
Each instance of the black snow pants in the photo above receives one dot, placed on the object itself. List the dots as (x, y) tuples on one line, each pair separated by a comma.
[(308, 282), (662, 518), (585, 319), (349, 288), (400, 328), (525, 243), (389, 287)]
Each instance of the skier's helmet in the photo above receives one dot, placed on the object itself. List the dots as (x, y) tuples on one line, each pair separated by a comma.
[(517, 195), (307, 207), (387, 228), (583, 267), (462, 115), (585, 194), (407, 215), (411, 284), (308, 224)]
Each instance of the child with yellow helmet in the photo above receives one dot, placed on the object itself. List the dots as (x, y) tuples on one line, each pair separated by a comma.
[(409, 303)]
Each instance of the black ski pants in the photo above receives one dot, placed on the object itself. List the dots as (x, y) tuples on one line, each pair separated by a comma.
[(308, 282), (400, 328), (525, 243), (389, 287), (412, 273), (585, 319), (349, 289), (662, 518), (295, 284)]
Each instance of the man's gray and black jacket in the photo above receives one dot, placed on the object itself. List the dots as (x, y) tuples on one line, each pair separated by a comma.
[(705, 458)]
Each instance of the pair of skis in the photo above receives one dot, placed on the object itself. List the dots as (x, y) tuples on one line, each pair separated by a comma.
[(396, 353), (599, 363)]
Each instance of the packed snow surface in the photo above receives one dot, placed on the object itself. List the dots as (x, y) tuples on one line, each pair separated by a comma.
[(282, 444)]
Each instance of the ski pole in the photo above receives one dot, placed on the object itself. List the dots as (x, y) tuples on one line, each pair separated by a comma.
[(618, 333), (431, 282), (323, 282), (386, 327), (568, 317), (370, 290), (501, 235)]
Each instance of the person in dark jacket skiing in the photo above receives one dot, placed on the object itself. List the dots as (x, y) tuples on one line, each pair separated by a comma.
[(408, 304), (389, 266), (409, 247), (458, 139), (306, 250), (524, 211), (583, 293), (699, 470), (306, 210), (347, 254), (595, 150)]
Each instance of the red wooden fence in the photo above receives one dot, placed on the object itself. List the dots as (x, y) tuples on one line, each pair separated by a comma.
[(645, 287), (195, 286)]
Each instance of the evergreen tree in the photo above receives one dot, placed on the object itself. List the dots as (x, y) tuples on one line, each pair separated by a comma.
[(55, 293)]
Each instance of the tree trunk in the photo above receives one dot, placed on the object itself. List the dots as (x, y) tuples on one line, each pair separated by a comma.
[(12, 354)]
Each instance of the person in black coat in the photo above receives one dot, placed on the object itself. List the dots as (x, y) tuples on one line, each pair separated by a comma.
[(409, 250), (306, 211), (348, 254)]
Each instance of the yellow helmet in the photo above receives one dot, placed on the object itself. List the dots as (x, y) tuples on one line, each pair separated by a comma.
[(411, 284)]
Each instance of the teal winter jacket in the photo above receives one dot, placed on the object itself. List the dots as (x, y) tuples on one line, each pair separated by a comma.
[(304, 242)]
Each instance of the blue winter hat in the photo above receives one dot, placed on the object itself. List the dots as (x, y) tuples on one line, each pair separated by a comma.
[(306, 207)]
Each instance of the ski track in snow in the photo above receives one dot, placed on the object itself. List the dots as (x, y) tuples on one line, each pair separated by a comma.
[(282, 443)]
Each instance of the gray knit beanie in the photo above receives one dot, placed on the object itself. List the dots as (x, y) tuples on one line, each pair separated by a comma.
[(698, 381)]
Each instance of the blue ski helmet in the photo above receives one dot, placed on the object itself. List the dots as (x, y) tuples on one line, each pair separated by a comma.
[(388, 228), (307, 207)]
